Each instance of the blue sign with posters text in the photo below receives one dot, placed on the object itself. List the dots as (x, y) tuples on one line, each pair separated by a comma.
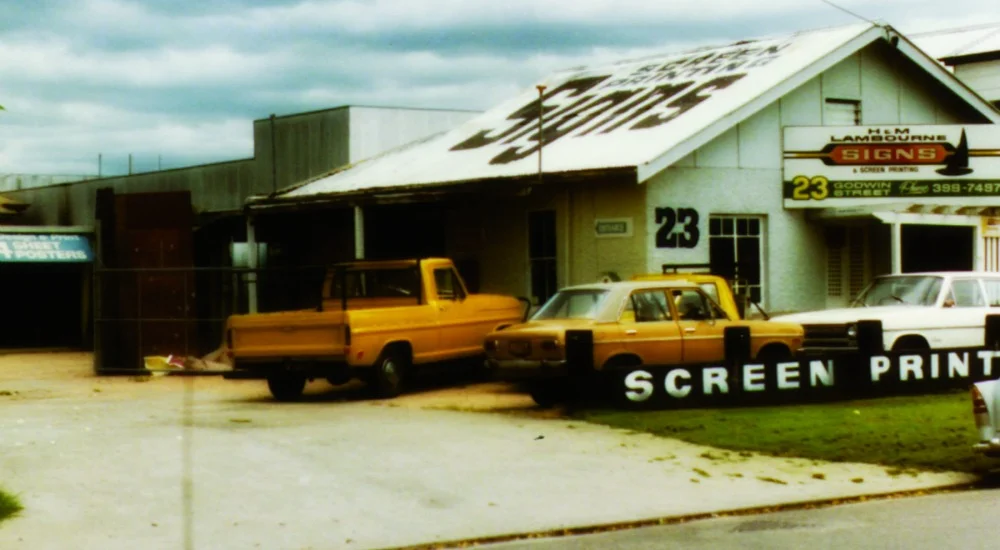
[(44, 248)]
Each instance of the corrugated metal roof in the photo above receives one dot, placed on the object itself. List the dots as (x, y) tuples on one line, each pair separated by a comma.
[(942, 44), (640, 113)]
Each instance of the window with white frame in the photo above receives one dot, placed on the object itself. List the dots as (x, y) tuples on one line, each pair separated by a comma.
[(736, 251)]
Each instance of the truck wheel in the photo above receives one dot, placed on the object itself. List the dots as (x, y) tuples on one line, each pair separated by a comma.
[(286, 388), (388, 375)]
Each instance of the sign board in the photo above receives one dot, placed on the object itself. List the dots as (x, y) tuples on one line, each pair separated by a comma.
[(838, 165), (613, 227), (33, 248), (843, 376)]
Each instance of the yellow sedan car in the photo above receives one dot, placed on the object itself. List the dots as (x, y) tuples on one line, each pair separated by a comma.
[(630, 323)]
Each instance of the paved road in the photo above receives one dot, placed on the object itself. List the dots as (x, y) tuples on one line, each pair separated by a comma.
[(966, 520)]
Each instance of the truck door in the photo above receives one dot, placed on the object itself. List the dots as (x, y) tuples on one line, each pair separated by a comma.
[(458, 330)]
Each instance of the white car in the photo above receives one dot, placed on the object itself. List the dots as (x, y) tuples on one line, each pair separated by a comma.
[(918, 311), (985, 396)]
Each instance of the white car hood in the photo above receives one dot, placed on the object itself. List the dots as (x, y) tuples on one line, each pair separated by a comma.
[(851, 314)]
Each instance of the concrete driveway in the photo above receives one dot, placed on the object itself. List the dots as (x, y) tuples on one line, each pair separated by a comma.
[(99, 463)]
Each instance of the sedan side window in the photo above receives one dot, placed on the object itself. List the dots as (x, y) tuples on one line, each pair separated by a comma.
[(692, 305), (647, 306), (967, 293), (992, 292)]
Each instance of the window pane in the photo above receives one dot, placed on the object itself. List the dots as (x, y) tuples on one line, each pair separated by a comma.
[(992, 293), (754, 226), (691, 305), (741, 226), (722, 256), (714, 226), (650, 306), (542, 234), (727, 226), (968, 294), (748, 256)]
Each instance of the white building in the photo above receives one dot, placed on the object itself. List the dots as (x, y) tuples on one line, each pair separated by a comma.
[(678, 159)]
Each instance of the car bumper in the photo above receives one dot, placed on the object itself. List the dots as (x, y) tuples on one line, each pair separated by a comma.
[(527, 369), (989, 448)]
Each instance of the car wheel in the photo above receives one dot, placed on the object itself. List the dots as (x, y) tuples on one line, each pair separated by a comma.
[(389, 373), (286, 388), (911, 343), (774, 354)]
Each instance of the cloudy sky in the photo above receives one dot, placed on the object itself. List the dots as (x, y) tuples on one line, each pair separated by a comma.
[(179, 82)]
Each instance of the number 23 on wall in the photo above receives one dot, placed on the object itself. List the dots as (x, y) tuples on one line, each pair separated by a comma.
[(669, 219), (805, 188)]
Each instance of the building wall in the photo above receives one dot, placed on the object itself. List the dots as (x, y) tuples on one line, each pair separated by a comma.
[(305, 145), (494, 233), (740, 172), (375, 130), (983, 77), (213, 187)]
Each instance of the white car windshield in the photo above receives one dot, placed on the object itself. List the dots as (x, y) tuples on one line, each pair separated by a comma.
[(908, 290), (572, 304)]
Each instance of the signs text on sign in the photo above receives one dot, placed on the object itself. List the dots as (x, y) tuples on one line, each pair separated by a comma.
[(613, 227), (858, 162), (44, 248)]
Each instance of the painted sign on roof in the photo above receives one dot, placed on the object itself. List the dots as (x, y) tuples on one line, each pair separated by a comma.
[(44, 248), (839, 164)]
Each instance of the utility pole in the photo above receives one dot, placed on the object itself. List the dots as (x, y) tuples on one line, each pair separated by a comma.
[(541, 113)]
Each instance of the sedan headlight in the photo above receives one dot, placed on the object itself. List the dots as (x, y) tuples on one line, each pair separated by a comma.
[(852, 330)]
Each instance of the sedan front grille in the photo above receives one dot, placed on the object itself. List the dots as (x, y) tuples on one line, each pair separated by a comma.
[(827, 336)]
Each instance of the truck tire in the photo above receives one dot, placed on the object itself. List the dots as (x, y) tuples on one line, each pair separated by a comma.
[(389, 373), (286, 388)]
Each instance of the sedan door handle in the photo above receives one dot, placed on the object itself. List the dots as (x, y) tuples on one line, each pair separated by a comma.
[(631, 332), (689, 329)]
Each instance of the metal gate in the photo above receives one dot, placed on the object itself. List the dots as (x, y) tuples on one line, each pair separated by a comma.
[(181, 312)]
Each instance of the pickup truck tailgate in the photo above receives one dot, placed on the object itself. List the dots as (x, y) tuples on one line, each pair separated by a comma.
[(292, 333)]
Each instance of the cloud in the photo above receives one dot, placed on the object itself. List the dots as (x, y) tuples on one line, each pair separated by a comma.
[(184, 79)]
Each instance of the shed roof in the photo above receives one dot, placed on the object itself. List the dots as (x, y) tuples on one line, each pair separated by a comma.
[(639, 114), (961, 43)]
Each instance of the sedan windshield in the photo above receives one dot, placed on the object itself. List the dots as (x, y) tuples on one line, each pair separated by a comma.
[(915, 290), (572, 304)]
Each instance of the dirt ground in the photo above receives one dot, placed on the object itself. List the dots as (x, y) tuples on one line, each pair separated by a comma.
[(124, 462), (37, 375)]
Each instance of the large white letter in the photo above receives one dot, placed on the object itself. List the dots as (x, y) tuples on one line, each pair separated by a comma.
[(715, 376), (958, 365), (671, 383), (788, 376), (879, 366), (987, 357), (751, 375), (819, 372), (911, 363), (640, 385)]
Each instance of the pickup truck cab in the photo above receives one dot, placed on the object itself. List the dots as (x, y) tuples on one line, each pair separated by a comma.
[(633, 323), (377, 320)]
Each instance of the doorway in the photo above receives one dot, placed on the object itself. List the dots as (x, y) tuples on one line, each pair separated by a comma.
[(938, 248)]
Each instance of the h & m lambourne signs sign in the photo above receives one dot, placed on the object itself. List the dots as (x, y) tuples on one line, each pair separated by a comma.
[(830, 165), (845, 376)]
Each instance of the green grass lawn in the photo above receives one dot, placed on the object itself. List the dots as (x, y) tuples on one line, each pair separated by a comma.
[(9, 505), (934, 432)]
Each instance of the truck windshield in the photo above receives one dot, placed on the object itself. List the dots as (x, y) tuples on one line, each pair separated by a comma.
[(909, 290), (572, 304), (377, 283)]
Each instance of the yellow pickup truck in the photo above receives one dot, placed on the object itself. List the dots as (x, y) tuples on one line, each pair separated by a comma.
[(377, 320)]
